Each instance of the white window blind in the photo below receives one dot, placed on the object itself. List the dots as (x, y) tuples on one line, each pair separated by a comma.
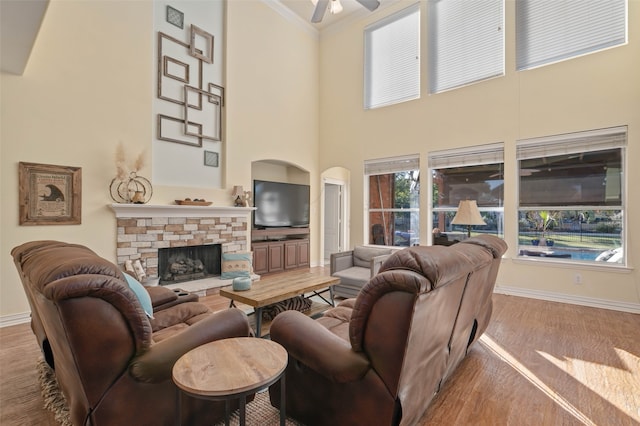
[(477, 155), (392, 165), (573, 143), (466, 42), (392, 59), (550, 31)]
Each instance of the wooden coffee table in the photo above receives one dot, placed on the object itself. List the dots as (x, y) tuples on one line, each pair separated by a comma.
[(277, 288), (230, 369)]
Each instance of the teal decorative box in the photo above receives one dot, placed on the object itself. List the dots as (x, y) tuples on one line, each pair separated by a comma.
[(241, 283)]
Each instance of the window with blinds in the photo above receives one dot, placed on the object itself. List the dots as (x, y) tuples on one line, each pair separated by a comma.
[(392, 59), (552, 31), (468, 174), (466, 42), (393, 202), (475, 173), (571, 196)]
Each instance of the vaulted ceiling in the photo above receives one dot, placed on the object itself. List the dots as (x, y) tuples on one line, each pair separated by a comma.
[(20, 22)]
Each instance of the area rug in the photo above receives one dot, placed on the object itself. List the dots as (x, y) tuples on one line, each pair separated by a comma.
[(53, 399), (259, 411)]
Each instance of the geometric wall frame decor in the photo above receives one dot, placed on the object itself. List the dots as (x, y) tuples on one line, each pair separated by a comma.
[(201, 44), (181, 80), (208, 115), (171, 129)]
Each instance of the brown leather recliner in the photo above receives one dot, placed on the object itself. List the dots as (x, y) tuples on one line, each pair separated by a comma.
[(112, 362), (379, 359)]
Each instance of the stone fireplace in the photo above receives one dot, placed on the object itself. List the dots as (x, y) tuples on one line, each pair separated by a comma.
[(180, 264), (143, 230)]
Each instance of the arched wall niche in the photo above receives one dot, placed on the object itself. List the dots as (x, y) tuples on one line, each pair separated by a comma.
[(279, 171)]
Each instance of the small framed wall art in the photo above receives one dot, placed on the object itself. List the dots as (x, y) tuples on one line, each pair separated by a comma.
[(175, 17), (49, 194), (211, 159)]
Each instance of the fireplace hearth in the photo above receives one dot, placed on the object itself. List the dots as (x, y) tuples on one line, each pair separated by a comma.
[(180, 264)]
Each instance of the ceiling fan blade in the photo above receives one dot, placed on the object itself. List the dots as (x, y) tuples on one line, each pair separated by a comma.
[(318, 13), (369, 4)]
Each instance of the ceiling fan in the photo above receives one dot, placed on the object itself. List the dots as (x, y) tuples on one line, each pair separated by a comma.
[(335, 7)]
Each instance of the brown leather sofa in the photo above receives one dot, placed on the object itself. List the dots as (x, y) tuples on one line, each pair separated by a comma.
[(112, 362), (379, 359)]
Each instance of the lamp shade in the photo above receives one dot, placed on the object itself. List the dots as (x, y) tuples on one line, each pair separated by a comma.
[(238, 191), (468, 214)]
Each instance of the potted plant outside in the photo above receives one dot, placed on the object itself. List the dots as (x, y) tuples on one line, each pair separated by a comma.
[(547, 218)]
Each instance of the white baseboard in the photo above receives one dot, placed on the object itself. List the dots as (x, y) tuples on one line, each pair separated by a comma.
[(14, 319), (615, 305)]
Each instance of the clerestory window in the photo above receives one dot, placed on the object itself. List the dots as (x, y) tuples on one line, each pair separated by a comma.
[(466, 42), (552, 31), (392, 59)]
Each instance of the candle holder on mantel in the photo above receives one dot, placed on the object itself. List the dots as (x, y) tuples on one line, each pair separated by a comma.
[(135, 189)]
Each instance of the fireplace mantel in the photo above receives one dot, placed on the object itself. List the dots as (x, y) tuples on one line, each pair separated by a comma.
[(171, 210)]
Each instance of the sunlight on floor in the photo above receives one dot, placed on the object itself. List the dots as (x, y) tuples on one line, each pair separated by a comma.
[(528, 374), (585, 372)]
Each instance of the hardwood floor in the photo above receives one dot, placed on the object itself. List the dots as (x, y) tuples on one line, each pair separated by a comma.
[(538, 363)]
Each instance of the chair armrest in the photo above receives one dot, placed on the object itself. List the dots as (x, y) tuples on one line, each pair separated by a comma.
[(161, 295), (376, 263), (319, 349), (155, 365), (341, 261)]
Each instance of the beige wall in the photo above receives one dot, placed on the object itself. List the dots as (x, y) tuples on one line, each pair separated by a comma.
[(90, 84), (273, 114), (594, 91), (86, 87)]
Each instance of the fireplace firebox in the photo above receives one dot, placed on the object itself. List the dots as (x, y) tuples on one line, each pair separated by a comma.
[(180, 264)]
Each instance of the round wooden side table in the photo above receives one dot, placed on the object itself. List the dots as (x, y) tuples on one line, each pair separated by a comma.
[(231, 369)]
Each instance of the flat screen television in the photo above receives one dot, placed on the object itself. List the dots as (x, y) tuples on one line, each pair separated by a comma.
[(280, 204)]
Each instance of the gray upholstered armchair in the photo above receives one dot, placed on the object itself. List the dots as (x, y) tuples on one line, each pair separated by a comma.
[(356, 267)]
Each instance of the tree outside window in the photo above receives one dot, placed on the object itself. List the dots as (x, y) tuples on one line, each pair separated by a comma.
[(394, 208)]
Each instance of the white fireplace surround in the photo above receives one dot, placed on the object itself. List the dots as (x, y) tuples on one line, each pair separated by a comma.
[(142, 229)]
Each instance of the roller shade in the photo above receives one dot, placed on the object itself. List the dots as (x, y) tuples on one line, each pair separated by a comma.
[(572, 143), (551, 31), (466, 42), (392, 59), (477, 155), (392, 165)]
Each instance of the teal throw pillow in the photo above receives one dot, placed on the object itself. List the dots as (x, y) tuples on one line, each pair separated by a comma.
[(236, 265), (141, 293)]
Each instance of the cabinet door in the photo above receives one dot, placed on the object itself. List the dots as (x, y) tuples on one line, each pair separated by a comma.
[(276, 257), (303, 254), (291, 255), (260, 258)]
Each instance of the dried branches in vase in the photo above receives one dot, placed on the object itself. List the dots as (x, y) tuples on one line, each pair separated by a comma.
[(127, 186)]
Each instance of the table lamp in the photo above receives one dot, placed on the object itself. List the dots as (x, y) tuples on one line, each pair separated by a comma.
[(468, 214)]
